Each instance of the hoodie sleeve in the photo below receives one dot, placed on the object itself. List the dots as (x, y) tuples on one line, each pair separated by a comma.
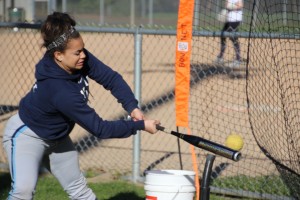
[(111, 80), (79, 112)]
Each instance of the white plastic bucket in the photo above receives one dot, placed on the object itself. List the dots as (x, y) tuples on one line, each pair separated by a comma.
[(170, 185)]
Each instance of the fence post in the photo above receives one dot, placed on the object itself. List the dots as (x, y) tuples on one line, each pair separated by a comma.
[(137, 92)]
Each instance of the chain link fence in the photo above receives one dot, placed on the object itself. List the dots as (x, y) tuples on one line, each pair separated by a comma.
[(218, 101), (22, 49)]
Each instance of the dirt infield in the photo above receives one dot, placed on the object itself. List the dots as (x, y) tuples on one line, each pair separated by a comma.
[(218, 102)]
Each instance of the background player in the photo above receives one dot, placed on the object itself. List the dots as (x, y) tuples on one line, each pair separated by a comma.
[(234, 18)]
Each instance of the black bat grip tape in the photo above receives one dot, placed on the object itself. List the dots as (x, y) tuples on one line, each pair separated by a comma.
[(161, 128)]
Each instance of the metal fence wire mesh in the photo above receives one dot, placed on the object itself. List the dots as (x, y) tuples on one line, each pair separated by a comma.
[(22, 50), (258, 101)]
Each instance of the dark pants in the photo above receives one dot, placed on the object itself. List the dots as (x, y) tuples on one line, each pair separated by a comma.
[(230, 27)]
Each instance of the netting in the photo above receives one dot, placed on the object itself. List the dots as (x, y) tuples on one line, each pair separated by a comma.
[(256, 96)]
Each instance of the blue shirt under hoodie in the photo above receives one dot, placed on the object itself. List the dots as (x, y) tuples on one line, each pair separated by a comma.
[(58, 100)]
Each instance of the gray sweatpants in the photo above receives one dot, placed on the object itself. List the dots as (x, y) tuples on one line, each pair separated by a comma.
[(26, 151)]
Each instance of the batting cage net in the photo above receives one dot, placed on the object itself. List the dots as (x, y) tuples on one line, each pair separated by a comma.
[(245, 81)]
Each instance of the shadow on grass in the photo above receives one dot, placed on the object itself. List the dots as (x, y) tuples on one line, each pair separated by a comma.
[(4, 184), (126, 196)]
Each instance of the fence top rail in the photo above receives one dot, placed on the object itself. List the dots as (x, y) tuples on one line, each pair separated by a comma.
[(265, 35), (141, 30)]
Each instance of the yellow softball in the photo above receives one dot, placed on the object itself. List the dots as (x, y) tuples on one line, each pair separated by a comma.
[(234, 141)]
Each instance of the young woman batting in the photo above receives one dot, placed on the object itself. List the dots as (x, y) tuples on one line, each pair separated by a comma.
[(39, 132)]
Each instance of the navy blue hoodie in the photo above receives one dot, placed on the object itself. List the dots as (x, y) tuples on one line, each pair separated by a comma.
[(58, 100)]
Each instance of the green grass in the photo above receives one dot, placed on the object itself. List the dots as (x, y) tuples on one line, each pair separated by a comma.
[(263, 184), (48, 187)]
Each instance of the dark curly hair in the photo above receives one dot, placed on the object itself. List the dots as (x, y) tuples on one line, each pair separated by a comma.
[(54, 27)]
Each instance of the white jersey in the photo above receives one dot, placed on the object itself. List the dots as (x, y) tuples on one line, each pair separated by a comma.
[(234, 15)]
